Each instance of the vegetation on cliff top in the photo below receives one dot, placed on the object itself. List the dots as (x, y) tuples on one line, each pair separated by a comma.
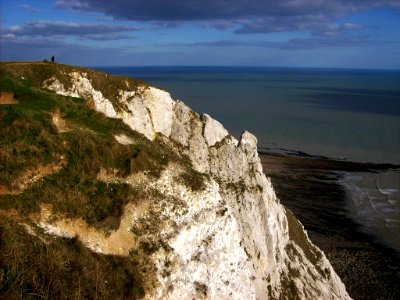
[(34, 74), (70, 161)]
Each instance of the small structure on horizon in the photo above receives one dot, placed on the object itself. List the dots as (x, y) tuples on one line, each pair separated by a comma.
[(52, 58)]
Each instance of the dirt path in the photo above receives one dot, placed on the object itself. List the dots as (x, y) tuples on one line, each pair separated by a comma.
[(31, 176), (59, 122), (7, 98)]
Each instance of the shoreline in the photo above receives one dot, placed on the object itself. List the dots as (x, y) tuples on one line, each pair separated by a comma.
[(299, 159), (309, 186)]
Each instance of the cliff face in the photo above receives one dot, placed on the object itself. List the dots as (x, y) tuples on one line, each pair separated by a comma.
[(229, 239)]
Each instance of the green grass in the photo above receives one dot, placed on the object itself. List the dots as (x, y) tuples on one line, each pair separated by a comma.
[(64, 268), (28, 139), (35, 74)]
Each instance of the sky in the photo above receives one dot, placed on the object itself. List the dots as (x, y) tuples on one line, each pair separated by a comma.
[(278, 33)]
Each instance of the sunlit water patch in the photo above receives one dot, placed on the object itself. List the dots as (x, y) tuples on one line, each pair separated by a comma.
[(375, 204)]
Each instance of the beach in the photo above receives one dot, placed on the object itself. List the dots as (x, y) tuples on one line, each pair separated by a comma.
[(312, 188)]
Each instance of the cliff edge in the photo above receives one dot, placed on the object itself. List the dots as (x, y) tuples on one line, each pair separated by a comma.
[(195, 212)]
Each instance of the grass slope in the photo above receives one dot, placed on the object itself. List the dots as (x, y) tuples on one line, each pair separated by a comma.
[(28, 140)]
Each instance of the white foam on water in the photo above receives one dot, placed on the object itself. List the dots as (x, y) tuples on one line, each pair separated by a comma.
[(375, 204), (388, 191)]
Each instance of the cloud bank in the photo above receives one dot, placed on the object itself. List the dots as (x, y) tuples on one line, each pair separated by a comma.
[(249, 16), (178, 31), (57, 29)]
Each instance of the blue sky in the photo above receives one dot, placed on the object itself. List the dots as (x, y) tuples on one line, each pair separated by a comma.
[(294, 33)]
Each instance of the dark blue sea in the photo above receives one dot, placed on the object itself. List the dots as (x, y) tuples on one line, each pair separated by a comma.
[(346, 114), (350, 114)]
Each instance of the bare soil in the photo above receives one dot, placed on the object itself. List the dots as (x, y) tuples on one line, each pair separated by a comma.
[(8, 98), (31, 176), (59, 121)]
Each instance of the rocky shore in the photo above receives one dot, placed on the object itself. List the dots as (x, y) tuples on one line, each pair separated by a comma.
[(309, 187)]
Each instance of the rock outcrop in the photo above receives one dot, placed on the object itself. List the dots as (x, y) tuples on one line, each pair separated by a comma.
[(231, 240)]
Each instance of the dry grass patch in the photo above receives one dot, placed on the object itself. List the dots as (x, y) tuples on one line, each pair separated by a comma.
[(62, 269)]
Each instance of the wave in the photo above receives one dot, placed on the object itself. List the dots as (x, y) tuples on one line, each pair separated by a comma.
[(375, 204)]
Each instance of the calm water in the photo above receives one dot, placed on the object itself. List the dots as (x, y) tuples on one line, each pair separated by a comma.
[(348, 114), (353, 115)]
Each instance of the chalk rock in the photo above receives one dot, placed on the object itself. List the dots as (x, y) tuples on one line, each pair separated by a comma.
[(181, 123), (82, 87), (248, 140), (159, 103), (233, 240), (138, 118), (214, 132)]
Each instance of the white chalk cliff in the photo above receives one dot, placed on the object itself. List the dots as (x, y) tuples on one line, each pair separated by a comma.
[(231, 240)]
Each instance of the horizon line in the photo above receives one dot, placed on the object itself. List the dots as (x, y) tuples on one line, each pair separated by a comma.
[(244, 66), (214, 66)]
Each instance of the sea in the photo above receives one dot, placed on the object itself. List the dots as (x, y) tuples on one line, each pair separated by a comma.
[(351, 115)]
